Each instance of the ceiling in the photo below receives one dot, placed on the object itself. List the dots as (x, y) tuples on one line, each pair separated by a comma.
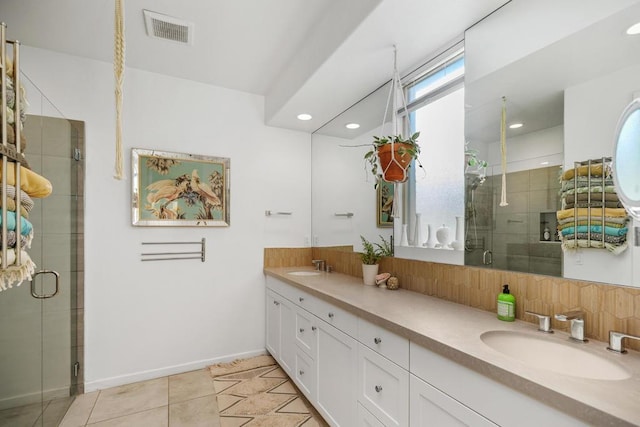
[(315, 56)]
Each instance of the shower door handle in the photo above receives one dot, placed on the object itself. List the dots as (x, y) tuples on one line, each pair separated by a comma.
[(45, 296), (487, 257)]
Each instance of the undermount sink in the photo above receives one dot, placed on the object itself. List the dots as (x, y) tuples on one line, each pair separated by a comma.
[(304, 273), (562, 358)]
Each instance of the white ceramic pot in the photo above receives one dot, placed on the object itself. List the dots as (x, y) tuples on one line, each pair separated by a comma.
[(369, 273), (443, 236)]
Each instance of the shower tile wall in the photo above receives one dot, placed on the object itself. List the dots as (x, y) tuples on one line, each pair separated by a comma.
[(517, 230)]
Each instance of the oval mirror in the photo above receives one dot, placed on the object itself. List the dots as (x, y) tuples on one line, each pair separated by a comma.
[(626, 158)]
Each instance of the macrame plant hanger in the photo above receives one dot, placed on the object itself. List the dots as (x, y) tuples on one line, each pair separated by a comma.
[(118, 70), (396, 86), (503, 151)]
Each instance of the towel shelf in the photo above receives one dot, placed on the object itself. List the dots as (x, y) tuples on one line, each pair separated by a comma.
[(172, 256)]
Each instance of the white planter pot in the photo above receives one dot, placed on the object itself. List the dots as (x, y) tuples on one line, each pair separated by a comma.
[(369, 273)]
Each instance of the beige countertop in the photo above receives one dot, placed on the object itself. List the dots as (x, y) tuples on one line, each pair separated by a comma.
[(454, 330)]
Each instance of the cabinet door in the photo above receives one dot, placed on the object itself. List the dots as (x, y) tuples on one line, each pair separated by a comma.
[(287, 336), (383, 388), (305, 375), (337, 375), (273, 323), (431, 407)]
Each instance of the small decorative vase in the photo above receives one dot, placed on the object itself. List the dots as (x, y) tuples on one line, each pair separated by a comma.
[(417, 235), (431, 240), (369, 273), (404, 240), (443, 236), (458, 244), (392, 283)]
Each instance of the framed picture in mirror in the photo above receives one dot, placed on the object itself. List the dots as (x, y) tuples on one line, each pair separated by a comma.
[(384, 204), (176, 189)]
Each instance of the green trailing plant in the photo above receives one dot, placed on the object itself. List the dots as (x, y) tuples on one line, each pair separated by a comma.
[(413, 150), (373, 252)]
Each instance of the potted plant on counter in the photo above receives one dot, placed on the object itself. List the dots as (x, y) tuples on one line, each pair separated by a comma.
[(393, 156), (371, 254)]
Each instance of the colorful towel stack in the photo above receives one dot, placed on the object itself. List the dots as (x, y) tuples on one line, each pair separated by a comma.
[(592, 215), (19, 201)]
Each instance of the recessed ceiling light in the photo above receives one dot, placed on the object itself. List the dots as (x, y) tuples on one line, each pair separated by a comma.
[(304, 116), (634, 29), (544, 163), (352, 125), (515, 125)]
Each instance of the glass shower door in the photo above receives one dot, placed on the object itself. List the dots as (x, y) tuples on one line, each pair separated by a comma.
[(39, 347)]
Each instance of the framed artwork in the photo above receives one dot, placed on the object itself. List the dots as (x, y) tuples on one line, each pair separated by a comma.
[(384, 204), (179, 190)]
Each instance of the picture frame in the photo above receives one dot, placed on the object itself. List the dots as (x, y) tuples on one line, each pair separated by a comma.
[(179, 190), (384, 204)]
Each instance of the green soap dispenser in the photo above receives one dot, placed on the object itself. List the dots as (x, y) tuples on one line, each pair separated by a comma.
[(506, 305)]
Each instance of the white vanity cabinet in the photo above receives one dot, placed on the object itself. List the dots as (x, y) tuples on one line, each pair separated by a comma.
[(357, 373)]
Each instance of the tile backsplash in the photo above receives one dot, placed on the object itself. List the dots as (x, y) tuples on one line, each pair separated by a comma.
[(606, 307)]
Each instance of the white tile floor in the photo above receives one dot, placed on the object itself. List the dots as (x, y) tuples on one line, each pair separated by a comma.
[(184, 400)]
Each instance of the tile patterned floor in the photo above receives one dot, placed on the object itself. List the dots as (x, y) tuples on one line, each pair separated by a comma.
[(184, 400)]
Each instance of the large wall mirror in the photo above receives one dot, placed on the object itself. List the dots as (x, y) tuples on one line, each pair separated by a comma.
[(566, 76)]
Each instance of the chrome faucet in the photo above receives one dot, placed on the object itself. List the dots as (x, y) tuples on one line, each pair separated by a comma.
[(321, 265), (544, 322), (576, 317), (615, 341)]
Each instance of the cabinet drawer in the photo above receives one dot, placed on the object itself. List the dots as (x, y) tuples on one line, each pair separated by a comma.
[(306, 332), (430, 406), (366, 419), (383, 388), (392, 346), (293, 294), (337, 317), (305, 375)]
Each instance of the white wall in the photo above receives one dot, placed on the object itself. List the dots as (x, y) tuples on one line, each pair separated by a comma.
[(592, 110), (342, 183), (144, 320)]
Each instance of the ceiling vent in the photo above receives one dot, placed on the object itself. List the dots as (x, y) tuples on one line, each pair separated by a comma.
[(166, 27)]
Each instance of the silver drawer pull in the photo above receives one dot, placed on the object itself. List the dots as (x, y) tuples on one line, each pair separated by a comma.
[(301, 372), (301, 299), (378, 388), (301, 330), (330, 315), (313, 328), (377, 340)]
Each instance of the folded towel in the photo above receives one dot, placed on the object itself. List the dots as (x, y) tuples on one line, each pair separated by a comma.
[(25, 240), (593, 189), (570, 185), (30, 182), (586, 223), (16, 274), (594, 170), (618, 221), (570, 205), (614, 248), (610, 231), (25, 200), (595, 196), (25, 225), (594, 212), (11, 206)]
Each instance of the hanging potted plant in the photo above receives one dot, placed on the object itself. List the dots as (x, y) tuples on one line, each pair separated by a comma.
[(371, 254), (391, 156)]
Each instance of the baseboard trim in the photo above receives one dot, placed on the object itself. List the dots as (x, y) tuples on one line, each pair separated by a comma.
[(151, 374)]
